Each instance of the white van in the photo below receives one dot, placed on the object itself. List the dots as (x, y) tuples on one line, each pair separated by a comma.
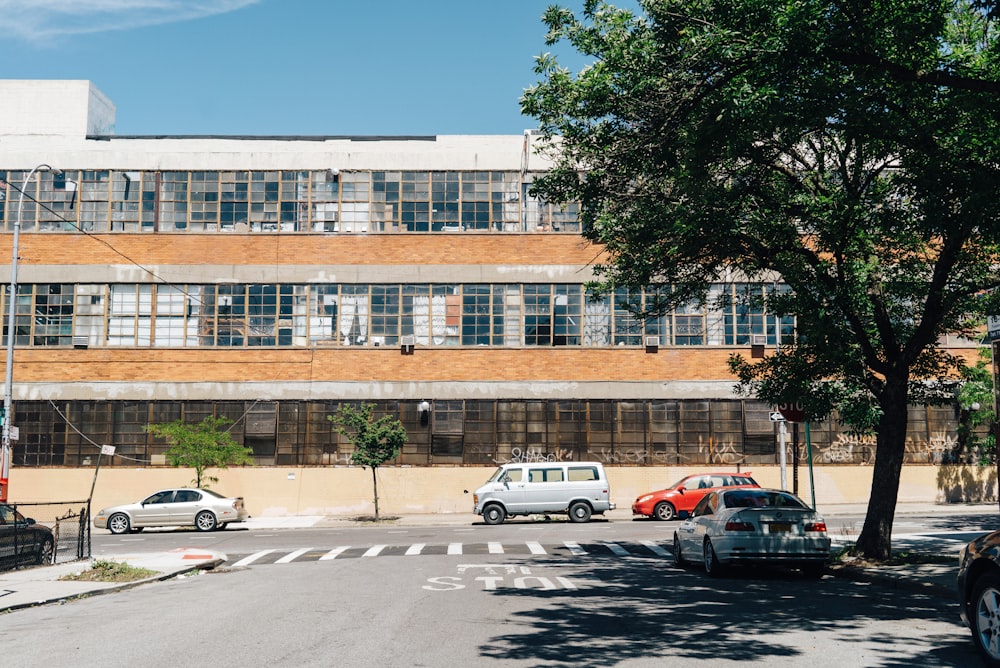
[(579, 489)]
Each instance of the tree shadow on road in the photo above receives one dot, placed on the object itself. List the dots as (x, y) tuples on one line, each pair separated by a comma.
[(629, 610)]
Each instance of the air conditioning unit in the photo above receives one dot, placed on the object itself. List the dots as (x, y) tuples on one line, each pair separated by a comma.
[(406, 344), (81, 341), (652, 343), (758, 339)]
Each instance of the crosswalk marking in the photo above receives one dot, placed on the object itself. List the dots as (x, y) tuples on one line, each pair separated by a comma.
[(245, 561), (335, 552), (656, 549), (637, 548), (617, 549), (291, 556)]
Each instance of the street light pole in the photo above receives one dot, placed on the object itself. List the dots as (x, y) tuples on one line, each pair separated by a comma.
[(8, 394)]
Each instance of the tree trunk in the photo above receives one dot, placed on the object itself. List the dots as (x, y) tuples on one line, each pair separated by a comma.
[(375, 488), (875, 541)]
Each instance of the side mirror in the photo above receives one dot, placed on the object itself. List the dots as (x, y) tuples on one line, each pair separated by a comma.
[(680, 490), (505, 478)]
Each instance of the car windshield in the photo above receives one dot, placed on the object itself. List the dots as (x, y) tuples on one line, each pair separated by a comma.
[(755, 498), (496, 475)]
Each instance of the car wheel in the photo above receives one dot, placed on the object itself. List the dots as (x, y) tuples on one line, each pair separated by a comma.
[(664, 511), (222, 527), (494, 514), (712, 565), (45, 552), (985, 618), (119, 523), (204, 521), (678, 556), (579, 512)]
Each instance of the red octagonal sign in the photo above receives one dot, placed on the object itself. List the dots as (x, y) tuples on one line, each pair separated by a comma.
[(792, 412)]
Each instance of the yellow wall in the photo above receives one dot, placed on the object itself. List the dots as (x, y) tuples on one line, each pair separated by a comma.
[(283, 491)]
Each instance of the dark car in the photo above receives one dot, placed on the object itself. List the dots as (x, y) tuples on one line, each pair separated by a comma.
[(22, 541), (979, 594)]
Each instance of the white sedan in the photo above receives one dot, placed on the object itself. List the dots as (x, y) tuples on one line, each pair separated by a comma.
[(203, 509), (753, 526)]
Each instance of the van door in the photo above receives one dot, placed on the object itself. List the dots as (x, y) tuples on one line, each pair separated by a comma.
[(510, 490), (546, 490)]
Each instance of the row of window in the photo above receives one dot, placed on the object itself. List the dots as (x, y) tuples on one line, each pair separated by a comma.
[(283, 315), (474, 432), (279, 201)]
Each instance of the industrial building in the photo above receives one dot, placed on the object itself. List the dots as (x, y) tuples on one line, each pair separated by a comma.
[(268, 279)]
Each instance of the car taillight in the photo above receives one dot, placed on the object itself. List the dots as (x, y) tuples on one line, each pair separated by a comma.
[(733, 525), (816, 526)]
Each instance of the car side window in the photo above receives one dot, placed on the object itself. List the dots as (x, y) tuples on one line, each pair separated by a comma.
[(187, 496), (702, 508), (514, 475), (582, 473), (160, 497), (545, 475), (701, 482)]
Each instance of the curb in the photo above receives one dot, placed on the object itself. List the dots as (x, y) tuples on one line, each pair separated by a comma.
[(160, 577), (889, 581)]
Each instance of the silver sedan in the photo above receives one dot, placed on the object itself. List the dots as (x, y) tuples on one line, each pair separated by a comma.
[(203, 509), (753, 526)]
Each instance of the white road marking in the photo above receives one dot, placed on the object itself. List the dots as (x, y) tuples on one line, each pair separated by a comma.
[(496, 548), (292, 556), (574, 548), (416, 548), (246, 561), (335, 552), (373, 551), (656, 549), (454, 548), (617, 549), (535, 547)]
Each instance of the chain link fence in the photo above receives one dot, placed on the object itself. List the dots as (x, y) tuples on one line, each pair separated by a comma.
[(44, 533)]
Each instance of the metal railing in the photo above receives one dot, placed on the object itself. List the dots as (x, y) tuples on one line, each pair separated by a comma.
[(60, 533)]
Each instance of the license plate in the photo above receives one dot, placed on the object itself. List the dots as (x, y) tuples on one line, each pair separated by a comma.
[(779, 527)]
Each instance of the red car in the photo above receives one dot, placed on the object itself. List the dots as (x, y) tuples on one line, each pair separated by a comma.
[(683, 496)]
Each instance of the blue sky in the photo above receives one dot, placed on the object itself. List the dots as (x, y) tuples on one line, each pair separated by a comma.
[(288, 67)]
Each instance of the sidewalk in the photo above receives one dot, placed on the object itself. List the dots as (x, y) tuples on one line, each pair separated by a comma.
[(42, 584)]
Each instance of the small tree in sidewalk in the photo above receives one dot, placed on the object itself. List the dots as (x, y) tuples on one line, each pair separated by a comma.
[(201, 446), (375, 441)]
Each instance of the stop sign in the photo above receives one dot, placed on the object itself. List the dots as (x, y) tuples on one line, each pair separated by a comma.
[(792, 412)]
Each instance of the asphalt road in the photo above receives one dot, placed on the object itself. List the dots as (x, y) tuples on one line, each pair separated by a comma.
[(491, 609), (520, 594)]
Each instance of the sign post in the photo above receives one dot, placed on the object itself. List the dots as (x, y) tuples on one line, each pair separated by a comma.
[(782, 457), (796, 413)]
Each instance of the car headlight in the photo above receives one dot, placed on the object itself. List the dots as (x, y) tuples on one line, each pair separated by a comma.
[(644, 499)]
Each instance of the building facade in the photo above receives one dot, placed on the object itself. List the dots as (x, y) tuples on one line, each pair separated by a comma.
[(270, 279)]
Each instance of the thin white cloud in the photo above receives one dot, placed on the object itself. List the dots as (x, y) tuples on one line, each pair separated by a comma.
[(40, 20)]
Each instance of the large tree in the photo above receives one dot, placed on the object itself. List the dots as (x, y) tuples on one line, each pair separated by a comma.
[(849, 148)]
